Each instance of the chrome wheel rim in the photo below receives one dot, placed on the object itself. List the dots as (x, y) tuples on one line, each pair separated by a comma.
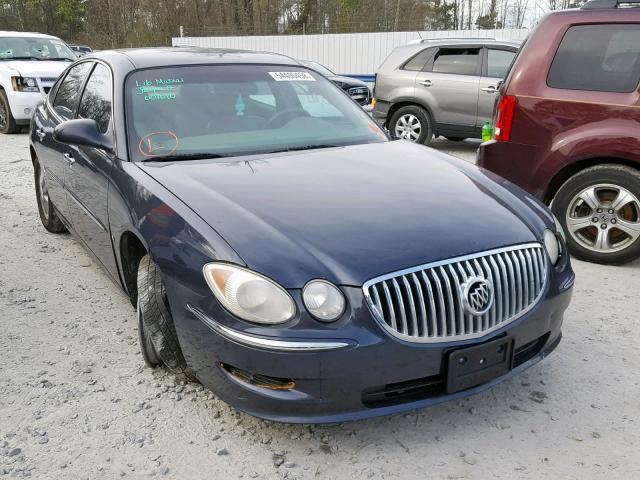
[(408, 127), (43, 195), (604, 218)]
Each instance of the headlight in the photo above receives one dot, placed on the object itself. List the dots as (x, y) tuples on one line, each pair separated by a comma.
[(249, 295), (552, 245), (24, 84), (323, 300), (559, 229)]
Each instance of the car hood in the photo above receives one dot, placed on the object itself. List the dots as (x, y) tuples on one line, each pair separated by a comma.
[(352, 213), (352, 82), (36, 68)]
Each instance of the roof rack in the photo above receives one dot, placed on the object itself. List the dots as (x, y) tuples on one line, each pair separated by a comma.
[(425, 40), (604, 4)]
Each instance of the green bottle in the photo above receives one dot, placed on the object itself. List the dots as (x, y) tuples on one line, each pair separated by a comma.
[(487, 131)]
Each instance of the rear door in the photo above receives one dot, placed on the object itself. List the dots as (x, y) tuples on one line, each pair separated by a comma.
[(495, 65), (87, 176), (449, 85)]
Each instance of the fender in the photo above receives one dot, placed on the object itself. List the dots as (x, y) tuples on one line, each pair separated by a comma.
[(411, 100), (160, 221), (610, 141)]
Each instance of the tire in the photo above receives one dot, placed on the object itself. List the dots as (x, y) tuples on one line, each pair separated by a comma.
[(455, 139), (147, 349), (156, 331), (412, 123), (599, 209), (48, 215), (7, 122)]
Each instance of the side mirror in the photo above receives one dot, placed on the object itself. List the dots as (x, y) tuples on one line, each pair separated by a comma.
[(83, 132)]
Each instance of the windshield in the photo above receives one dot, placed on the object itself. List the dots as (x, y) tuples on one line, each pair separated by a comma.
[(34, 48), (230, 110)]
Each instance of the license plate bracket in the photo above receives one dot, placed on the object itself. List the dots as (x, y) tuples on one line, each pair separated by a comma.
[(472, 366)]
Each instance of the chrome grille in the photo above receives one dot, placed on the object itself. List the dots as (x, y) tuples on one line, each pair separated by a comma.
[(426, 303)]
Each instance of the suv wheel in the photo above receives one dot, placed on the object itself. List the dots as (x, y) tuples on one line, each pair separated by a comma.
[(412, 123), (600, 211), (7, 122)]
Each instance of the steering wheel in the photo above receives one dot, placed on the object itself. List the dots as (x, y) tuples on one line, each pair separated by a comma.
[(283, 116)]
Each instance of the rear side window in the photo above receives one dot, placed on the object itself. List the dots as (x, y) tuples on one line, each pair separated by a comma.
[(69, 90), (498, 62), (418, 62), (603, 58), (459, 61)]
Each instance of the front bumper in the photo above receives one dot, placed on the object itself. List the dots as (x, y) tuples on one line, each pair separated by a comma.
[(23, 104), (373, 375)]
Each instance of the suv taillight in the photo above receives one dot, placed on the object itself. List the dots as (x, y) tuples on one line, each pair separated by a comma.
[(504, 118)]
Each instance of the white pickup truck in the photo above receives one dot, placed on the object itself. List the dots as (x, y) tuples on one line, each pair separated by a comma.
[(30, 63)]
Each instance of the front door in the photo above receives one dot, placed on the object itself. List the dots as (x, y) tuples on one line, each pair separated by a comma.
[(87, 177), (49, 152)]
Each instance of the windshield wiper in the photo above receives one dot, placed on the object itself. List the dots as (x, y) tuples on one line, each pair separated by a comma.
[(185, 156), (304, 147), (21, 58)]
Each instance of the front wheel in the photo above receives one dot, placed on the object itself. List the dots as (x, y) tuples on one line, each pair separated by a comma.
[(599, 209), (412, 123), (7, 122), (156, 331)]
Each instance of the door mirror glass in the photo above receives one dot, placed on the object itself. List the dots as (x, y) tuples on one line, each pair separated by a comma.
[(83, 132)]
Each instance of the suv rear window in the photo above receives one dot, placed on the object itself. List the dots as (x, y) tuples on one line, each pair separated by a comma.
[(603, 58), (418, 61), (459, 61)]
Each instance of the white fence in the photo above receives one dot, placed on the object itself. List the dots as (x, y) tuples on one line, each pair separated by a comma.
[(347, 53)]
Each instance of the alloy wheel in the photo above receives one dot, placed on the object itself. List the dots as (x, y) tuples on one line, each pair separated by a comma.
[(408, 127), (43, 195), (604, 218)]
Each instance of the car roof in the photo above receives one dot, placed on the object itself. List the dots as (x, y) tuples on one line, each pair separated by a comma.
[(458, 41), (26, 34), (401, 54), (176, 56)]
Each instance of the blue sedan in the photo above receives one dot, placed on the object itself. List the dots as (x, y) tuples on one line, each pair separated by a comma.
[(280, 249)]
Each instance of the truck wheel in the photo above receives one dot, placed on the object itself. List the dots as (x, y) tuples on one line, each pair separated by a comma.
[(599, 209), (412, 123), (7, 122), (47, 211), (157, 333)]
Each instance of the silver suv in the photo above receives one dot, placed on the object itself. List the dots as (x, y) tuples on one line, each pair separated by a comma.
[(440, 87)]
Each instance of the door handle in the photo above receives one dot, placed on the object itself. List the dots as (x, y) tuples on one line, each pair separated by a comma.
[(490, 89), (69, 158), (426, 83), (40, 133)]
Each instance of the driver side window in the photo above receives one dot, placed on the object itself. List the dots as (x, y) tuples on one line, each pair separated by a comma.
[(96, 99), (68, 93)]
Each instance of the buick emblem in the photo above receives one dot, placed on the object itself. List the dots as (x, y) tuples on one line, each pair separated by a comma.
[(477, 296)]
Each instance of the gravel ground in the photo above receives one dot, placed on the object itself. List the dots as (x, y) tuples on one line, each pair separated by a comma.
[(77, 403)]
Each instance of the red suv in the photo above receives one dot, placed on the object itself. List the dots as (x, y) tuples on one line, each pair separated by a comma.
[(567, 126)]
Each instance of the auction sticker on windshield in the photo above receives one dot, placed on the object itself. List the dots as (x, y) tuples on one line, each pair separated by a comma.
[(292, 76)]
